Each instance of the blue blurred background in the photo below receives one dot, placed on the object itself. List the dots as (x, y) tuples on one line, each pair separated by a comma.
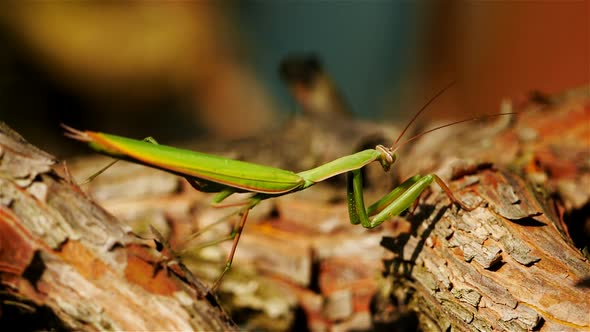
[(366, 47)]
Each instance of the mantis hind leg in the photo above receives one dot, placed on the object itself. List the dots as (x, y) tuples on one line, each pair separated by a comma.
[(236, 233), (393, 204)]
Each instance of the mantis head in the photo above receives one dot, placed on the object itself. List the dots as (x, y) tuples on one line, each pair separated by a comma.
[(387, 158)]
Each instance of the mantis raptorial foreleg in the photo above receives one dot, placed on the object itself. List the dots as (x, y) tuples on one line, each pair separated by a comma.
[(393, 204)]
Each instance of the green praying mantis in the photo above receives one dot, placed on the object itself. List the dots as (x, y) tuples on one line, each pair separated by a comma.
[(215, 174)]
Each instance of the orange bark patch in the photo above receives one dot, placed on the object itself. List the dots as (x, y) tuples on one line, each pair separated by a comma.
[(84, 260), (141, 272), (16, 246)]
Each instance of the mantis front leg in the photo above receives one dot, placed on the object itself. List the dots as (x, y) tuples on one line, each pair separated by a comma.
[(394, 203)]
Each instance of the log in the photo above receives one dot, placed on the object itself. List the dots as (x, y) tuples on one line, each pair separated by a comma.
[(510, 264), (67, 264)]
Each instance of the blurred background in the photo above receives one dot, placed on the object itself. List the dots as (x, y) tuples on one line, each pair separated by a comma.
[(180, 70)]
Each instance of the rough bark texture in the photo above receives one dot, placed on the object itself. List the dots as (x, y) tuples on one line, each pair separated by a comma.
[(512, 263), (66, 264)]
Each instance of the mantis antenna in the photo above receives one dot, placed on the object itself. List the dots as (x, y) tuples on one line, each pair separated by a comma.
[(397, 146), (422, 110)]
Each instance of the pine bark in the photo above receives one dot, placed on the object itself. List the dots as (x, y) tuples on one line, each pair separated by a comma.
[(511, 264)]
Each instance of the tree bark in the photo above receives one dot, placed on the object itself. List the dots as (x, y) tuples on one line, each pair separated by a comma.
[(66, 264), (510, 264)]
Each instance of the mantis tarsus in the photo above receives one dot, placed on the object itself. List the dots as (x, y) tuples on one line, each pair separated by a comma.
[(214, 174)]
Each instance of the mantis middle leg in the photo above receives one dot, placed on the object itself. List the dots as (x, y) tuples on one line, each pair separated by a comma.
[(235, 235)]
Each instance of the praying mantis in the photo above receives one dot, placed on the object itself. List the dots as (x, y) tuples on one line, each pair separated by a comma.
[(214, 174)]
